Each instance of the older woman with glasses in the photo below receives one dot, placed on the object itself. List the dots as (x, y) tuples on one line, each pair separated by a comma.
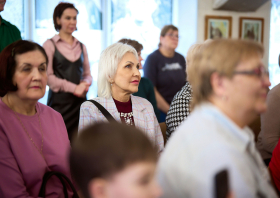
[(118, 79), (166, 69), (229, 82)]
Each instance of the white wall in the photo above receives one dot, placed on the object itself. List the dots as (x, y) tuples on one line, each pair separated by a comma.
[(205, 8)]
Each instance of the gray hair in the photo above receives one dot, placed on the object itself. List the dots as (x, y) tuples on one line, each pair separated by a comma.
[(108, 64)]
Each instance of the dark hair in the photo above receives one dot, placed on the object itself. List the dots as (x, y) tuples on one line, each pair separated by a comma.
[(58, 11), (104, 149), (8, 63), (165, 29), (137, 46)]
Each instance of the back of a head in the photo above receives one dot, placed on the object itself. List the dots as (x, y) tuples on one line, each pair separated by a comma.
[(137, 46), (104, 149), (221, 56)]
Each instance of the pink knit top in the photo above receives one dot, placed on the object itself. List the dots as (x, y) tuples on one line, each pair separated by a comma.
[(22, 167)]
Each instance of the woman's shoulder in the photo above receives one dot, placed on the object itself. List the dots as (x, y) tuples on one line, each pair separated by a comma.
[(89, 103), (140, 101), (178, 55), (146, 81), (154, 54), (48, 44)]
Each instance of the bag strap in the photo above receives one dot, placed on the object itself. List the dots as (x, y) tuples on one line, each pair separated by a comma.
[(62, 179), (107, 115)]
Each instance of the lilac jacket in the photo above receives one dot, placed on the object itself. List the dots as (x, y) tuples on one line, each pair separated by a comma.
[(143, 113)]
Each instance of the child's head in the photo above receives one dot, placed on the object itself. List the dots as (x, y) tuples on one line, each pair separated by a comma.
[(114, 161)]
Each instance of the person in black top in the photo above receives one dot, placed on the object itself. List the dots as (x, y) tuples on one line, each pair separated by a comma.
[(68, 70), (166, 69)]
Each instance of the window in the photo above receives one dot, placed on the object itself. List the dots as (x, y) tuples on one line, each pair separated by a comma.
[(274, 50), (89, 31), (14, 13), (141, 21)]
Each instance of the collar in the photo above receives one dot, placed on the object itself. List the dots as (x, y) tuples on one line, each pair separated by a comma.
[(137, 103), (57, 39), (240, 137), (3, 21)]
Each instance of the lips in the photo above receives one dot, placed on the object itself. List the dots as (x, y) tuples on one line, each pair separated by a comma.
[(35, 87), (135, 82)]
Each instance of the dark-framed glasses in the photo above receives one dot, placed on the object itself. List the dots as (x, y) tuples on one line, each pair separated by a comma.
[(259, 72), (173, 35)]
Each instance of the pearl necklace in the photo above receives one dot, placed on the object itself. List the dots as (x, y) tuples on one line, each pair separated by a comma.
[(127, 117)]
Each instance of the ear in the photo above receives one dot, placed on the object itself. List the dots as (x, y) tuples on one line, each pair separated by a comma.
[(160, 39), (58, 20), (98, 188), (111, 80), (218, 84)]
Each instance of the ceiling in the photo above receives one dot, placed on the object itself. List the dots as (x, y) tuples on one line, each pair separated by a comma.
[(238, 5)]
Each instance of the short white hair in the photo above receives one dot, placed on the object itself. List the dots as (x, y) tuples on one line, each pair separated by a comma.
[(108, 64)]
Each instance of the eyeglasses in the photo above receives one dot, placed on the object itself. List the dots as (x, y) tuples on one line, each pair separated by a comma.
[(259, 72), (172, 35)]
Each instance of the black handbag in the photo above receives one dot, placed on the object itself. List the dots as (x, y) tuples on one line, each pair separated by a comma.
[(63, 179), (107, 115)]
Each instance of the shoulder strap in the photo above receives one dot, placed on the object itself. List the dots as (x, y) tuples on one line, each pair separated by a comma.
[(82, 54), (107, 115), (81, 44), (53, 43)]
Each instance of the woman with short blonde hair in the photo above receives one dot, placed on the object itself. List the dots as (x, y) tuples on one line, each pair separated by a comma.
[(108, 64), (118, 79)]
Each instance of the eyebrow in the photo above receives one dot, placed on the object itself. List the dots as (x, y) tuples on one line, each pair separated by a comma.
[(129, 62), (28, 64)]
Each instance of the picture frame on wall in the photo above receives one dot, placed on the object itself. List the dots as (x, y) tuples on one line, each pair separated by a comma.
[(217, 27), (251, 28)]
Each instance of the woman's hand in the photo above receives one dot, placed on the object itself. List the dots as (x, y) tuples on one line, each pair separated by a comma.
[(81, 90)]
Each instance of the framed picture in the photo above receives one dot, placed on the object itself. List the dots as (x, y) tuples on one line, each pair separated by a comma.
[(251, 28), (217, 27)]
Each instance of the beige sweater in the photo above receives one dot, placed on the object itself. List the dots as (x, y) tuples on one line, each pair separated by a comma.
[(270, 124)]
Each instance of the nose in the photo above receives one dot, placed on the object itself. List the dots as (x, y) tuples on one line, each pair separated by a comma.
[(73, 21), (266, 81), (136, 71), (36, 74)]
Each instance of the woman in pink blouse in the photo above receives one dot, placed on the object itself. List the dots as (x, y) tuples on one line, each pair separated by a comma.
[(33, 137), (118, 79), (68, 70)]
